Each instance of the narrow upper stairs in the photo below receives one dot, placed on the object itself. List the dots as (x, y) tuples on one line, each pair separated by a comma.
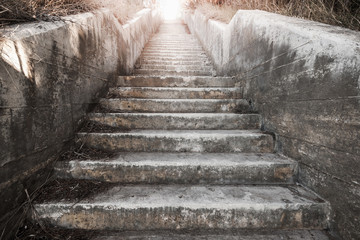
[(191, 159)]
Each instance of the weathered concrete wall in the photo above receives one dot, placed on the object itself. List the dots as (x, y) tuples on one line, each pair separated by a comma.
[(212, 35), (50, 75), (304, 78)]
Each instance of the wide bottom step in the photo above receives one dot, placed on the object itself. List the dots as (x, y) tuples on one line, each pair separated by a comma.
[(242, 235), (191, 207)]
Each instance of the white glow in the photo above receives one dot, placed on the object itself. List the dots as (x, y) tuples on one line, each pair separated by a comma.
[(170, 9), (9, 55), (16, 56)]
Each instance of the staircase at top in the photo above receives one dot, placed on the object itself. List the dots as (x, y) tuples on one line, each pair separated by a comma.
[(190, 155)]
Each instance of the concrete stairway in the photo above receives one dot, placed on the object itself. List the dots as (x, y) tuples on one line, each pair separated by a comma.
[(190, 156)]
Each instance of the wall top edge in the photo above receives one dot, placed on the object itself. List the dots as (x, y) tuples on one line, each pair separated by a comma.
[(137, 16), (21, 31), (312, 30), (294, 22)]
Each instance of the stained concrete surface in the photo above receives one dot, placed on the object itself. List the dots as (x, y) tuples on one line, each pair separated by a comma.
[(184, 168), (191, 207)]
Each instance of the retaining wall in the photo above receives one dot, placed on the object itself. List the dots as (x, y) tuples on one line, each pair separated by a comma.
[(51, 73), (304, 79)]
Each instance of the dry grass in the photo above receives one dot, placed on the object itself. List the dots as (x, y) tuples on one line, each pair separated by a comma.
[(344, 13), (18, 11)]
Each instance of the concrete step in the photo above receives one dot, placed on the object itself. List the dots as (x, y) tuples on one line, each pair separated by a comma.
[(174, 39), (170, 34), (174, 54), (178, 207), (174, 58), (162, 81), (172, 67), (175, 105), (167, 40), (162, 47), (178, 52), (177, 121), (173, 46), (168, 47), (155, 72), (216, 235), (246, 141), (179, 42), (175, 62), (183, 168), (175, 93)]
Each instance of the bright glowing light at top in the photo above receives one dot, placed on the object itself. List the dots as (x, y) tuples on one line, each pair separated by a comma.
[(170, 9)]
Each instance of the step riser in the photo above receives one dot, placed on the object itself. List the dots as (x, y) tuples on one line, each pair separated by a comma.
[(181, 122), (177, 143), (178, 174), (175, 93), (171, 73), (175, 106), (179, 218), (151, 81)]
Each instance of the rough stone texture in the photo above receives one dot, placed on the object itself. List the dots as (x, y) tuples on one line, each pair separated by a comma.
[(191, 207), (184, 168), (173, 72), (161, 81), (172, 67), (211, 34), (304, 78), (185, 93), (184, 62), (171, 121), (180, 141), (51, 73), (175, 105)]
